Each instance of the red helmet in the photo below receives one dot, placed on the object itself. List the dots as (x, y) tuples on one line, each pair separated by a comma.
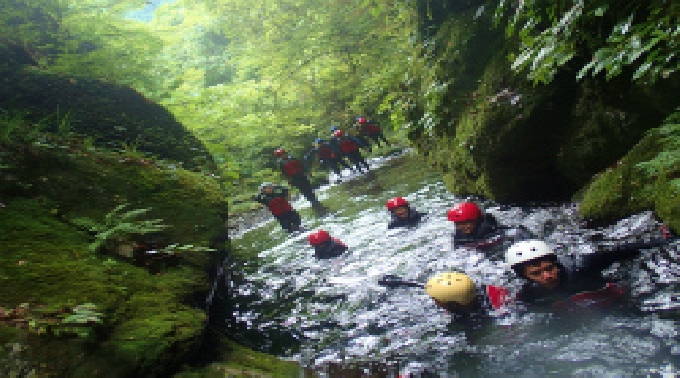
[(316, 238), (395, 202), (463, 212), (362, 120), (279, 152), (338, 133)]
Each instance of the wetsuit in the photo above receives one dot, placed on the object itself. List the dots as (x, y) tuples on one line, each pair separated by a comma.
[(411, 220), (489, 236), (361, 139), (581, 284), (373, 132), (294, 172), (328, 158), (489, 298), (490, 304), (329, 249), (282, 210), (349, 148)]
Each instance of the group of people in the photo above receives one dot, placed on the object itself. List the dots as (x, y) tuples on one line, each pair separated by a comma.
[(344, 148), (551, 281), (330, 154)]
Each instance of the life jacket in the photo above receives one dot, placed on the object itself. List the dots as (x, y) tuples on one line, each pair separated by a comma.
[(489, 298), (498, 296), (325, 152), (292, 167), (596, 299), (278, 206), (347, 145), (373, 128)]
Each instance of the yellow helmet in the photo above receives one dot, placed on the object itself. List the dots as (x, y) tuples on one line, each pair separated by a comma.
[(451, 287)]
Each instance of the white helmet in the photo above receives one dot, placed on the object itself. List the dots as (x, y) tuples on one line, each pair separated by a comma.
[(527, 250)]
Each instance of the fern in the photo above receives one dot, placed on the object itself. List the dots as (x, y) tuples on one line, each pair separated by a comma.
[(119, 225)]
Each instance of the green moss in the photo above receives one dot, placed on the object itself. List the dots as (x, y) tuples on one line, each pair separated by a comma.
[(628, 189), (239, 362), (149, 323)]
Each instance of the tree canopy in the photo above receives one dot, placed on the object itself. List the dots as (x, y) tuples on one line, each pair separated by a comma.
[(250, 76)]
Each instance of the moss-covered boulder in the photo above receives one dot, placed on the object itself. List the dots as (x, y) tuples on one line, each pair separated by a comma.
[(68, 310), (648, 177), (108, 114)]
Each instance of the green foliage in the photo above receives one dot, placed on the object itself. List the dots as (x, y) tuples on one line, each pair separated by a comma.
[(9, 124), (119, 226), (64, 126), (15, 127), (131, 150), (666, 163), (642, 43)]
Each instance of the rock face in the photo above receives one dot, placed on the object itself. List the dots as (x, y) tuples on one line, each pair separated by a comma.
[(492, 133)]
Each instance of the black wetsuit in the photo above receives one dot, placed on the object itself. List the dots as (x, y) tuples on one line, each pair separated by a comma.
[(294, 172), (277, 202), (349, 149), (489, 306), (581, 283), (329, 249), (328, 158), (489, 298), (411, 220), (373, 132), (490, 236)]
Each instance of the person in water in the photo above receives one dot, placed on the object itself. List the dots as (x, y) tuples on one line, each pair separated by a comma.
[(349, 148), (325, 245), (327, 157), (275, 197), (481, 230), (371, 130), (457, 293), (294, 172), (356, 135), (568, 282), (402, 213)]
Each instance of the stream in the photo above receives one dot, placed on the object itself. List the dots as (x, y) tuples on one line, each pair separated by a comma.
[(330, 313)]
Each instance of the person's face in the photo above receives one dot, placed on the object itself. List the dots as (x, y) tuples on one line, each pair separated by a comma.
[(268, 189), (544, 273), (466, 227), (400, 212)]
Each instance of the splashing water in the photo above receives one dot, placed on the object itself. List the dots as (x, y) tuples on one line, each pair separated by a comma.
[(341, 315)]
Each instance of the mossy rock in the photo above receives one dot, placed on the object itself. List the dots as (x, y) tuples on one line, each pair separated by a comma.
[(240, 362), (115, 116), (628, 188), (150, 323)]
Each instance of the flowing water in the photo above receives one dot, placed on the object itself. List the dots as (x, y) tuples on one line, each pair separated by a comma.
[(333, 312)]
